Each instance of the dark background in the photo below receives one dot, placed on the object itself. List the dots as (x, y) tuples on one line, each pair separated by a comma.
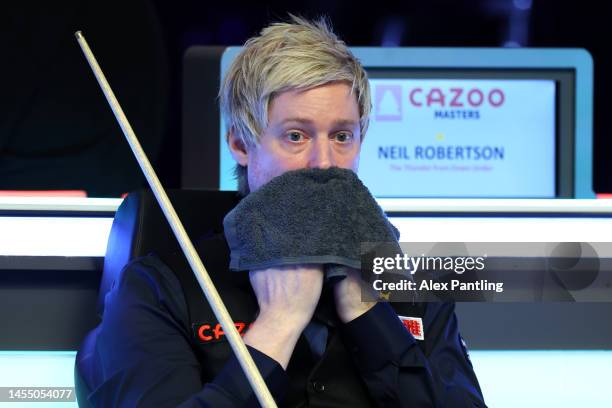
[(56, 131)]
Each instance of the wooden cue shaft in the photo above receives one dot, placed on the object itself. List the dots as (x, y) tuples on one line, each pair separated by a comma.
[(235, 341)]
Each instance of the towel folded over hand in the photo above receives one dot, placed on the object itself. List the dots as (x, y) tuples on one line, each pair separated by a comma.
[(319, 216)]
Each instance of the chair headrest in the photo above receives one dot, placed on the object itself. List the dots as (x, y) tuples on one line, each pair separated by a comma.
[(140, 227)]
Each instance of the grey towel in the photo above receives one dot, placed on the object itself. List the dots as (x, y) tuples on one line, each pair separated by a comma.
[(306, 216)]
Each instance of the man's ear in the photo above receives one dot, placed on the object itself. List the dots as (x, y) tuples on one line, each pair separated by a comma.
[(237, 148)]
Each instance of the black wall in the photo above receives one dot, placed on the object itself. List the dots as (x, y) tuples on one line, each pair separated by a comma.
[(57, 132)]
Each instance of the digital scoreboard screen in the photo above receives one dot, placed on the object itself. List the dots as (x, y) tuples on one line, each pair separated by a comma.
[(460, 138)]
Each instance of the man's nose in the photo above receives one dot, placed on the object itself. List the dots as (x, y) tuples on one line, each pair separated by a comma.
[(321, 155)]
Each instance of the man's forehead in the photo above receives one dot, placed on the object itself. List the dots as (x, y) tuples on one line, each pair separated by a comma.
[(332, 104)]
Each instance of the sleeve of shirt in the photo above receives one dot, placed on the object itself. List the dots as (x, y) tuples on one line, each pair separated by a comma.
[(396, 370), (143, 356)]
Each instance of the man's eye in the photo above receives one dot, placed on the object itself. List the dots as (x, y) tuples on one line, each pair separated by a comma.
[(344, 137), (295, 137)]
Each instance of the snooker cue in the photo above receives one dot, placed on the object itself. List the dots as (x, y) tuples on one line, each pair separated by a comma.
[(219, 309)]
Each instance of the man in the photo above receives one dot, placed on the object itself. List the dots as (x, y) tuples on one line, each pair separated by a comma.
[(294, 98)]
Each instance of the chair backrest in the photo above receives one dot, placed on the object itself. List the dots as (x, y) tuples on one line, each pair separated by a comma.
[(140, 227)]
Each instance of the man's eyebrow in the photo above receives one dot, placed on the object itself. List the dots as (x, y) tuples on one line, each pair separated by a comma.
[(306, 121), (346, 122), (296, 120)]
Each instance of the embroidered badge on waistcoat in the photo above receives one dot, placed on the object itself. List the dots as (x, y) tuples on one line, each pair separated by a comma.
[(414, 325)]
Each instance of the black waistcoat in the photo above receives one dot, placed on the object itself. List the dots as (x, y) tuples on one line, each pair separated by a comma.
[(331, 381)]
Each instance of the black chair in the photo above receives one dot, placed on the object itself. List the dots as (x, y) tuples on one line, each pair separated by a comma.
[(138, 229)]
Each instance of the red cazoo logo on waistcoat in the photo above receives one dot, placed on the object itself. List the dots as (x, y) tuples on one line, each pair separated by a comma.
[(213, 332)]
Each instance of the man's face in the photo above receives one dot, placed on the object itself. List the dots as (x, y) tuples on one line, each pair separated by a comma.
[(316, 128)]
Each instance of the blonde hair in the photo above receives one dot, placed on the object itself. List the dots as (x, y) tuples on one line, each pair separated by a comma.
[(297, 55)]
